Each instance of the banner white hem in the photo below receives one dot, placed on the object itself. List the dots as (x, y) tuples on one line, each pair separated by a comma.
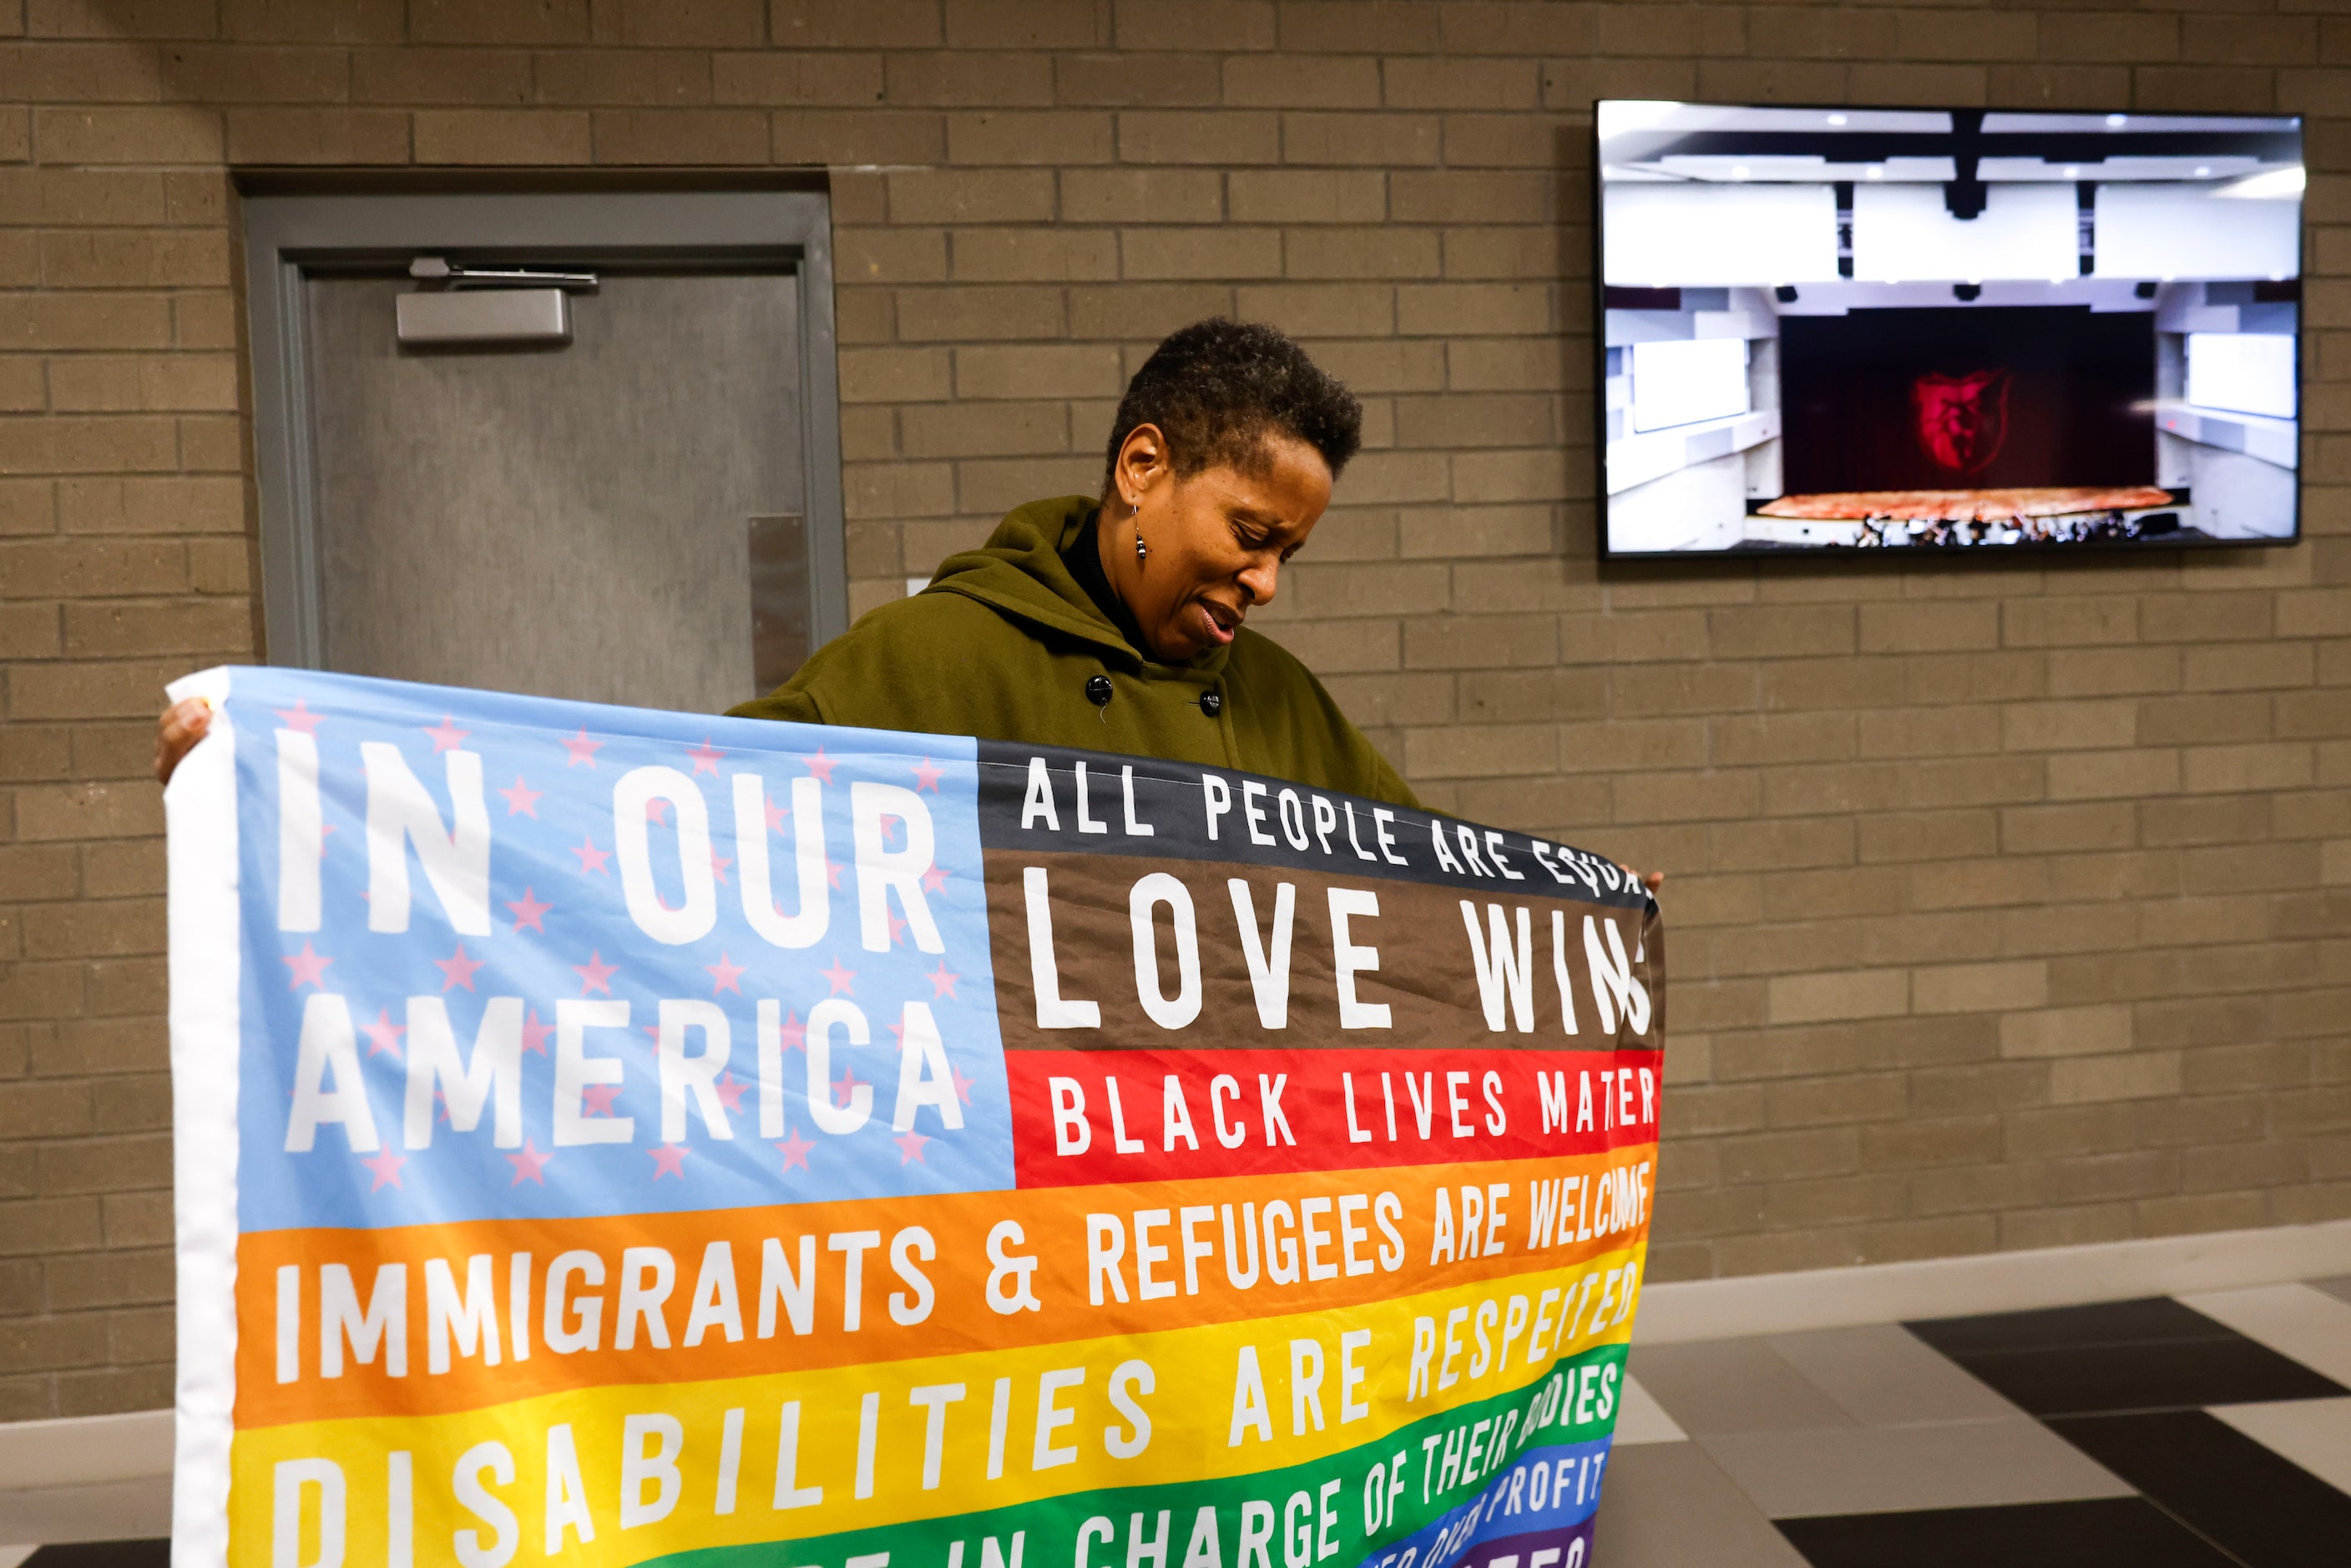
[(200, 806)]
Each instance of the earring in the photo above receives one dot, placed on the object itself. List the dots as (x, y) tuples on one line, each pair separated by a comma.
[(1142, 550)]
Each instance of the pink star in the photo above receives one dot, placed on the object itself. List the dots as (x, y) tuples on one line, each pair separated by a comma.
[(890, 826), (579, 749), (942, 983), (796, 1151), (836, 976), (910, 1148), (596, 975), (440, 1104), (657, 812), (446, 736), (591, 859), (669, 1160), (776, 814), (846, 1090), (705, 757), (718, 865), (897, 930), (386, 1167), (726, 977), (458, 970), (530, 912), (794, 1034), (822, 765), (522, 799), (731, 1090), (596, 1099), (529, 1164), (383, 1035), (535, 1033), (299, 718), (928, 777), (311, 969), (962, 1086), (832, 870), (935, 879)]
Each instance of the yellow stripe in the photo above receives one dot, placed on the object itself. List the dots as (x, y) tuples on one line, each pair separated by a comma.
[(1190, 1404)]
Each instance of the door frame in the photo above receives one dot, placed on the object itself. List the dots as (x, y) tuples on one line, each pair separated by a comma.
[(286, 234)]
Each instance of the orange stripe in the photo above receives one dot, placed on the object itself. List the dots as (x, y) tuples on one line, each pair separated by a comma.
[(1054, 1230)]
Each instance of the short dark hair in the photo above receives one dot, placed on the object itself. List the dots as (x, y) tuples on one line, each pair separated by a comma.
[(1217, 389)]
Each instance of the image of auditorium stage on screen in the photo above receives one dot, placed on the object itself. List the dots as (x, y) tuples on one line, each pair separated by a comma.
[(1834, 328)]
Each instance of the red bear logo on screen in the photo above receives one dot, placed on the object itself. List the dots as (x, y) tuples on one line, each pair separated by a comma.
[(1962, 420)]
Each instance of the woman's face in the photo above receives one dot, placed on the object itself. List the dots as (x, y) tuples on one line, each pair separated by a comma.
[(1216, 539)]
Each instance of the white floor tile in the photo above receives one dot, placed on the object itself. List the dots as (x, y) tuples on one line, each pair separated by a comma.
[(2306, 1323), (1883, 1375), (1666, 1505), (1639, 1419), (1732, 1385), (2313, 1433), (1971, 1464), (109, 1510)]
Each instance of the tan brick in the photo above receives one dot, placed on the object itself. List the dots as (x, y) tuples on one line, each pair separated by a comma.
[(680, 136), (968, 80), (1137, 80), (243, 74), (855, 24), (1378, 141), (318, 136), (127, 135), (1182, 24), (1296, 82), (1850, 994), (1030, 137), (412, 75), (1385, 252), (1074, 370), (1980, 988), (313, 21), (85, 19), (499, 21), (50, 72), (966, 313), (1479, 84), (2137, 1076), (1144, 310), (815, 137)]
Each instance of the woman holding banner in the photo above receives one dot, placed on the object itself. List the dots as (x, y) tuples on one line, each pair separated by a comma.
[(1114, 624)]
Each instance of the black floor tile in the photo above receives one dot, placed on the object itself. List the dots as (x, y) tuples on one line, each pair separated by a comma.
[(2147, 1320), (2266, 1510), (2108, 1532), (2079, 1379), (103, 1554)]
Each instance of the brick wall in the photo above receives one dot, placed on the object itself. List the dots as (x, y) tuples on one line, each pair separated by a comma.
[(2012, 900)]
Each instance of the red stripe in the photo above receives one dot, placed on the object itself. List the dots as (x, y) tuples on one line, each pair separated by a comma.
[(1111, 1116)]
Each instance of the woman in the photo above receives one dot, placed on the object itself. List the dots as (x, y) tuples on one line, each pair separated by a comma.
[(1116, 624)]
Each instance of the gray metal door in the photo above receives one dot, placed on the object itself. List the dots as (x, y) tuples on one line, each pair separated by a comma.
[(635, 516)]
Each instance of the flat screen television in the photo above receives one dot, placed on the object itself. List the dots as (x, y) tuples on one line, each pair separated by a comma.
[(1867, 329)]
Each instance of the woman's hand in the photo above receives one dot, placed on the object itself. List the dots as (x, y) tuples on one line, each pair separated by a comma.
[(177, 730), (1652, 881)]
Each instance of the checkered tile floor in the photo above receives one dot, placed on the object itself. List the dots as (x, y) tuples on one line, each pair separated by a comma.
[(2205, 1432), (2212, 1431)]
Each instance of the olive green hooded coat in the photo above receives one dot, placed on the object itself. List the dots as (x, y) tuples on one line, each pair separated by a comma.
[(1004, 643)]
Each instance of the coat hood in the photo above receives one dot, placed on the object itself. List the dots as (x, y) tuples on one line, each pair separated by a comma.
[(1019, 573)]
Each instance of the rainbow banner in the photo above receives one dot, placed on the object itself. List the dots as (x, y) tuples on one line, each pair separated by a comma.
[(627, 1137)]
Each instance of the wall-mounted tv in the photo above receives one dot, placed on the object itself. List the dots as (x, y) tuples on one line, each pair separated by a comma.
[(1864, 328)]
